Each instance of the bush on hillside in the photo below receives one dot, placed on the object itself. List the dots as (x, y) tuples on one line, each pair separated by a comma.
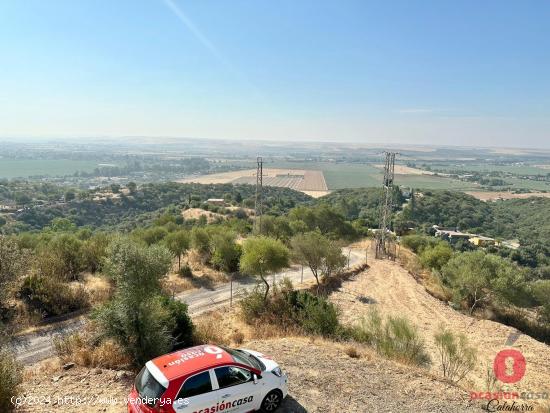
[(10, 379), (291, 310), (437, 256), (185, 271), (395, 338), (457, 357), (52, 297)]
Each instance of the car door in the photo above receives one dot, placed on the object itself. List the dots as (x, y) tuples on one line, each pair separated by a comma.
[(238, 391), (197, 393)]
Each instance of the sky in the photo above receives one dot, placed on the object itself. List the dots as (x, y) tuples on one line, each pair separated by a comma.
[(442, 72)]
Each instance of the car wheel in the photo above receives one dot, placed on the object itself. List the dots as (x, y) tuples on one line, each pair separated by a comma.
[(272, 401)]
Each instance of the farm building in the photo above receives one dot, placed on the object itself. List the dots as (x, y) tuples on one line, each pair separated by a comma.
[(481, 241), (451, 235), (216, 201)]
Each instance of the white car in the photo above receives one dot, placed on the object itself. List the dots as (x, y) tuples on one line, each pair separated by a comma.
[(209, 379)]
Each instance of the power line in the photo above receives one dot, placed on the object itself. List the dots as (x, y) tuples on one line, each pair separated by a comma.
[(258, 204)]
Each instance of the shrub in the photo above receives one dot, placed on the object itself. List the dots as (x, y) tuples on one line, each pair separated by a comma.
[(457, 357), (394, 338), (10, 379), (352, 352), (182, 326), (252, 305), (437, 256), (81, 349), (237, 337), (291, 309), (52, 297), (12, 265), (185, 271), (207, 331), (417, 243), (315, 314)]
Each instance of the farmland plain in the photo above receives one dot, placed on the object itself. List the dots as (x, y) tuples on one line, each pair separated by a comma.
[(15, 168)]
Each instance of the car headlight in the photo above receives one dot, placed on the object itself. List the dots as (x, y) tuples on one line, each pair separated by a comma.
[(277, 371)]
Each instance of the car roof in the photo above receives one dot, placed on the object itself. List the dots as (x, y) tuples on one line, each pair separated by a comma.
[(187, 361)]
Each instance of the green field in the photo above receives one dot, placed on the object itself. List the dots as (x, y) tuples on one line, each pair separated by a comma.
[(515, 169), (348, 175), (10, 168)]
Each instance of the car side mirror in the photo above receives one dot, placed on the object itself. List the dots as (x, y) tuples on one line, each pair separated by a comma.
[(255, 378)]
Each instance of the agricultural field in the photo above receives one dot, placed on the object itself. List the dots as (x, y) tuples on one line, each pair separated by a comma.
[(354, 175), (15, 168), (311, 182), (495, 196), (520, 169)]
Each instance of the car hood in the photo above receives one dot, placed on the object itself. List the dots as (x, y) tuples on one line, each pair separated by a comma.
[(270, 364)]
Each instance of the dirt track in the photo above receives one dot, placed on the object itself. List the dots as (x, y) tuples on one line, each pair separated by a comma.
[(393, 291)]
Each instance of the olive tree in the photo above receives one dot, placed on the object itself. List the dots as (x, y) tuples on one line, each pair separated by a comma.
[(178, 243), (263, 256), (478, 277), (323, 256), (137, 318)]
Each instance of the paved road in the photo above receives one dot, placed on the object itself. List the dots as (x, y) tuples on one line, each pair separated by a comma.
[(34, 347)]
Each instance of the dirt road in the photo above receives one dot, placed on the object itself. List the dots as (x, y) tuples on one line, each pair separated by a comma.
[(389, 288), (34, 347)]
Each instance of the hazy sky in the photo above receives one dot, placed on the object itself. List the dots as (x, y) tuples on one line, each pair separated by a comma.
[(441, 72)]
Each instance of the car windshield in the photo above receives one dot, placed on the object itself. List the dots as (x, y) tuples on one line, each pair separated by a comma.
[(240, 356), (149, 389)]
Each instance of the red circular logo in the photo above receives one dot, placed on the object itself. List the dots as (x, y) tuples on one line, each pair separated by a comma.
[(518, 368)]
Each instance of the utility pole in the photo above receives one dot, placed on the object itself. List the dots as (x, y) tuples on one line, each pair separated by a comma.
[(386, 207), (258, 204)]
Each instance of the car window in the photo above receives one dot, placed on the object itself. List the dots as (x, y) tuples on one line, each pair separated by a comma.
[(195, 385), (231, 376), (148, 387)]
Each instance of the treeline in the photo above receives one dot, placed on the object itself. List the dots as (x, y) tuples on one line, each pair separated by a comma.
[(527, 220), (128, 211), (482, 280), (182, 166)]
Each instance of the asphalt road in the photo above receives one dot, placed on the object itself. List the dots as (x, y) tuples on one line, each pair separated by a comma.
[(33, 347)]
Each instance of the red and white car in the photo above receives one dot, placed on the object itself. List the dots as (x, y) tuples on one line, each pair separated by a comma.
[(209, 379)]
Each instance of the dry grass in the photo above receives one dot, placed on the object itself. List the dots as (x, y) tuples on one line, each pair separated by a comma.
[(352, 352), (175, 284), (209, 330), (99, 288), (196, 213), (79, 348)]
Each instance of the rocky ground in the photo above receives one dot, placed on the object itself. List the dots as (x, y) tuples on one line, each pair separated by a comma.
[(48, 387)]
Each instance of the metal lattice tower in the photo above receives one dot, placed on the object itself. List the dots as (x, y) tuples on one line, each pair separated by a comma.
[(258, 204), (386, 207)]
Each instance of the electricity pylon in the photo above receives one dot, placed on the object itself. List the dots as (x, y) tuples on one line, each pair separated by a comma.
[(386, 206), (258, 204)]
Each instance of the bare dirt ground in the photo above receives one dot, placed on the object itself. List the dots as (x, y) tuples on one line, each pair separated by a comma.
[(407, 170), (493, 196), (196, 213), (389, 288), (323, 378), (49, 388)]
